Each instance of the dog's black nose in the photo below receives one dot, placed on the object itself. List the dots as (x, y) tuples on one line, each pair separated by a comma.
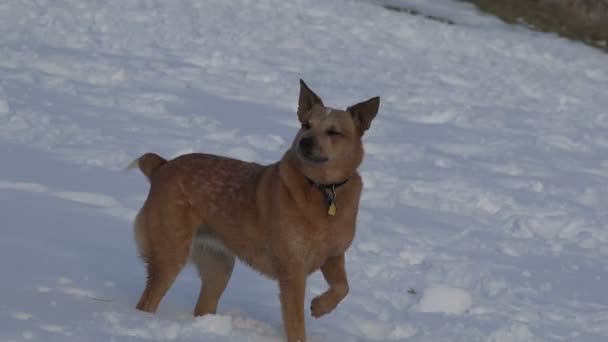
[(306, 145)]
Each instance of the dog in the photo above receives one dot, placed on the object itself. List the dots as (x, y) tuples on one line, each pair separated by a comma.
[(285, 220)]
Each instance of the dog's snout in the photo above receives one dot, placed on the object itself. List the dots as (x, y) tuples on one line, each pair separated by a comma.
[(307, 144)]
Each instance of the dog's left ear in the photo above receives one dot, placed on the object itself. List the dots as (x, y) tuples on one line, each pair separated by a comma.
[(307, 100), (364, 112)]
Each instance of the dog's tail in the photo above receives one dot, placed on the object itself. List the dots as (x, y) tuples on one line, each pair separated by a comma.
[(147, 164)]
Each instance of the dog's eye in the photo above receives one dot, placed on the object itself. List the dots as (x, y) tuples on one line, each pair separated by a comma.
[(306, 125), (333, 132)]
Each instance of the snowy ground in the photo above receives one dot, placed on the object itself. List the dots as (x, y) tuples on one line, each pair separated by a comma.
[(485, 209)]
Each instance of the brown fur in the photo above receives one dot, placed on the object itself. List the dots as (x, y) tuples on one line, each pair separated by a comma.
[(211, 209)]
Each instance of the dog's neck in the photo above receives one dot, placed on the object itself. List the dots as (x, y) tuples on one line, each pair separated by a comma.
[(287, 172)]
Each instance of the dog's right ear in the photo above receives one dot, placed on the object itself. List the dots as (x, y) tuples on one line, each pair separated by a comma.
[(307, 100)]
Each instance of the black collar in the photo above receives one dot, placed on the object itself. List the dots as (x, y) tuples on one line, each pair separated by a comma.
[(324, 187), (329, 193)]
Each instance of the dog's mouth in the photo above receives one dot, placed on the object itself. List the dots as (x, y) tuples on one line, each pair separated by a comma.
[(313, 158)]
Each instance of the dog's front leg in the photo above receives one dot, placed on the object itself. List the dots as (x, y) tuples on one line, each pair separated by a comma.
[(335, 274), (292, 287)]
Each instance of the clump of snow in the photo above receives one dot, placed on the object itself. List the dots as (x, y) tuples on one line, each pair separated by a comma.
[(445, 299), (4, 108), (217, 324), (52, 328), (513, 333), (22, 316)]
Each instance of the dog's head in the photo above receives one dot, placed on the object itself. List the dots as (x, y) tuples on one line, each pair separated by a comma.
[(328, 146)]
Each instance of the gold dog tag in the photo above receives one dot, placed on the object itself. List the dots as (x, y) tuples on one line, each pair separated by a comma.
[(331, 198), (331, 211)]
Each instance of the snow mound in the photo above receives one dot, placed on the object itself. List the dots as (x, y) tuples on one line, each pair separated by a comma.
[(449, 300)]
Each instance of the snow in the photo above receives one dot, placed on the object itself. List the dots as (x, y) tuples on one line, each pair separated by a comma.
[(449, 300), (484, 214)]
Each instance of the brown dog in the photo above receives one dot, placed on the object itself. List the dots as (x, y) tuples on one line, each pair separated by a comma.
[(285, 220)]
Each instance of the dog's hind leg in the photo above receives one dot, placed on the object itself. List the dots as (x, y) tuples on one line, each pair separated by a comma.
[(215, 264), (165, 256), (161, 275)]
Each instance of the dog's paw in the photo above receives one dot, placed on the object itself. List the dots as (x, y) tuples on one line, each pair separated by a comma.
[(320, 306)]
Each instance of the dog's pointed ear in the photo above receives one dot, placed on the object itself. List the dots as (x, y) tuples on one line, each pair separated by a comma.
[(307, 100), (364, 112)]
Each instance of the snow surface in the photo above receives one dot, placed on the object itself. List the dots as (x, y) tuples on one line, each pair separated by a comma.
[(485, 209), (449, 300)]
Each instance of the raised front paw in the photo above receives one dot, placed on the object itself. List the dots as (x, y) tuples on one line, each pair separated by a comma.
[(322, 305)]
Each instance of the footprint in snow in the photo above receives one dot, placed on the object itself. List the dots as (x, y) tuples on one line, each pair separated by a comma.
[(107, 204)]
